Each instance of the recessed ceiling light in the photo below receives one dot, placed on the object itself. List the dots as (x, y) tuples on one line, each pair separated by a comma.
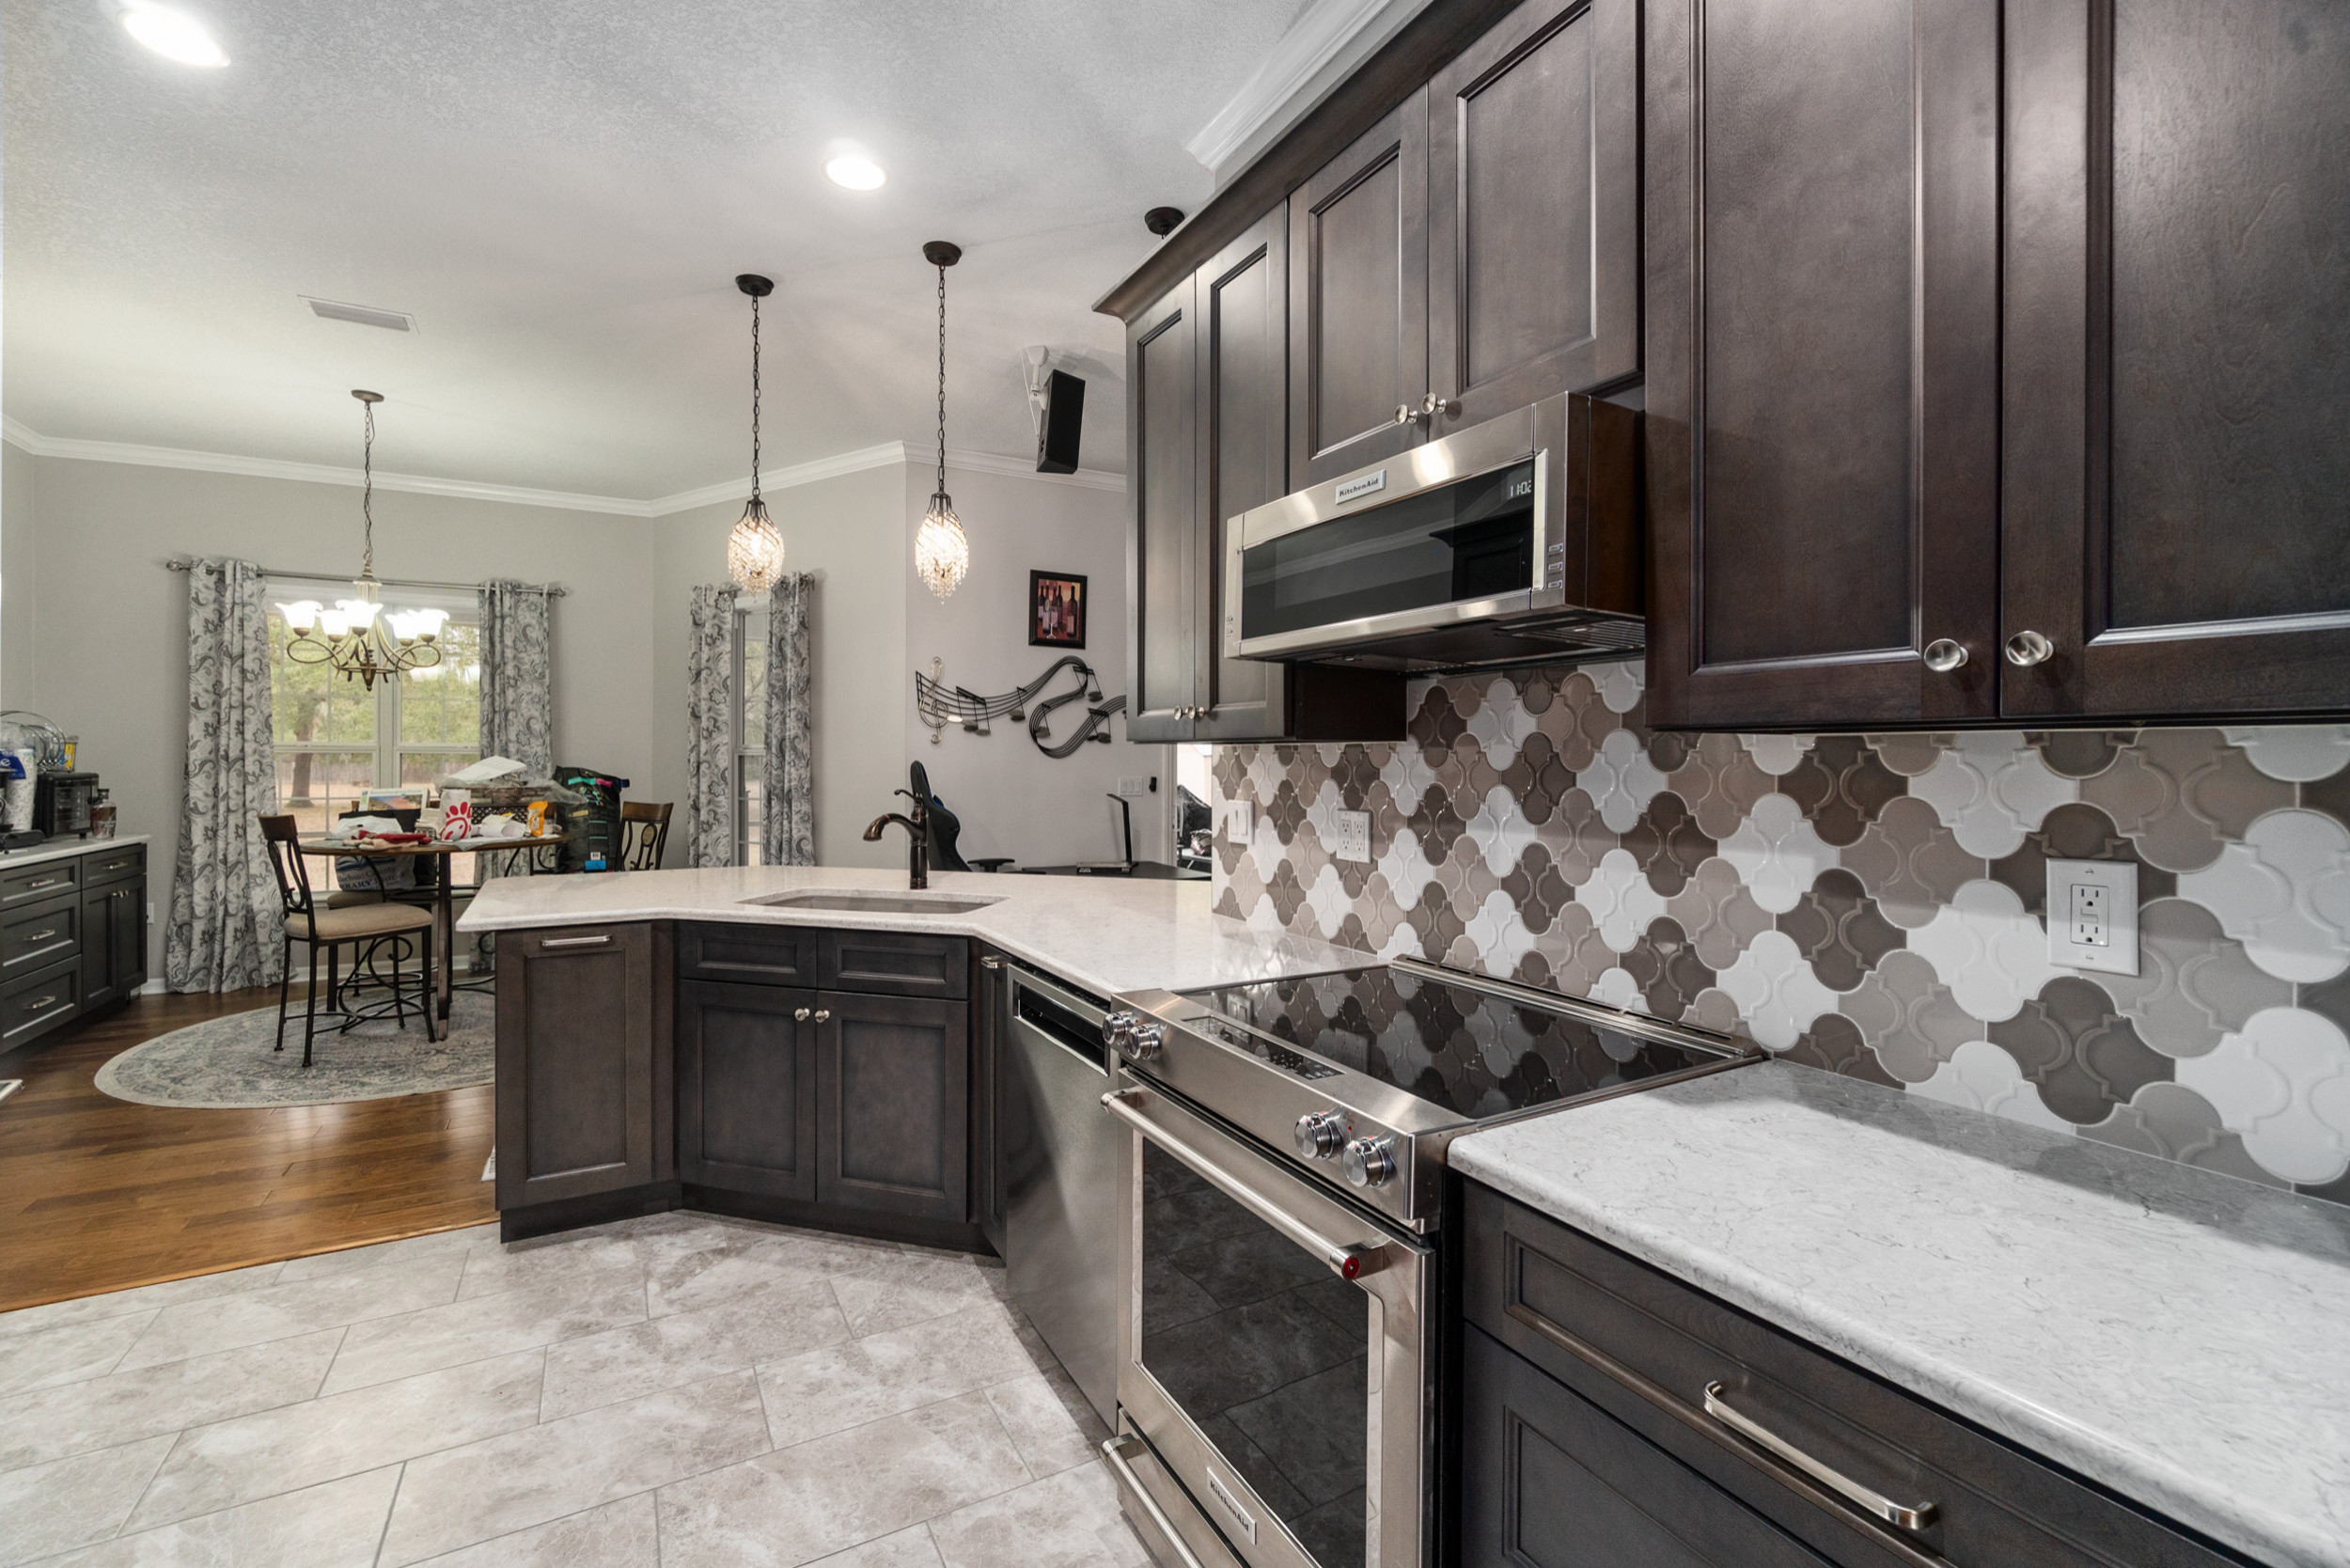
[(174, 35), (856, 172)]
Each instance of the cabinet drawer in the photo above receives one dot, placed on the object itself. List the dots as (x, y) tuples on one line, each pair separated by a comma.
[(1647, 1348), (895, 963), (1549, 1478), (113, 865), (753, 955), (33, 1004), (44, 880), (35, 935)]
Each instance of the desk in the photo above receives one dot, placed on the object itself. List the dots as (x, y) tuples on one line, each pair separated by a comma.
[(444, 922)]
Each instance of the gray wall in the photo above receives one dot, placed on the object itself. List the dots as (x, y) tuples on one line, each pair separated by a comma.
[(845, 530), (109, 658), (19, 577)]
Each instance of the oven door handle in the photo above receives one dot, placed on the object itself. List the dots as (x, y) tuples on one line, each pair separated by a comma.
[(1347, 1262)]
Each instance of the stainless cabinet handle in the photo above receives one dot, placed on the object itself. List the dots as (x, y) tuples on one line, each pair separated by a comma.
[(2027, 648), (42, 1005), (990, 963), (1347, 1262), (1867, 1499), (799, 1013), (43, 934), (1115, 1450), (822, 1014), (1943, 655), (47, 881), (576, 942)]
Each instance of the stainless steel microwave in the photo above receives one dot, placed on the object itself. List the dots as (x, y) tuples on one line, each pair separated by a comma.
[(1515, 542)]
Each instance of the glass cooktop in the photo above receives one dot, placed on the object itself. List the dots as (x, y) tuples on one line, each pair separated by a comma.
[(1468, 1051)]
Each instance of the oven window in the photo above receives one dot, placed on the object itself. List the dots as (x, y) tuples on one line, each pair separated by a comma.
[(1472, 540), (1265, 1350)]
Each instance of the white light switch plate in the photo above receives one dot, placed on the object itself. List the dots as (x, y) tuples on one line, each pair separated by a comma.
[(1240, 821), (1133, 789), (2092, 915), (1354, 835)]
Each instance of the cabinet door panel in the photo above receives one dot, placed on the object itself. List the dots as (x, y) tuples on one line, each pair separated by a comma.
[(576, 1063), (1822, 356), (894, 1105), (1358, 299), (1162, 527), (2178, 491), (100, 965), (1556, 1481), (746, 1089), (1243, 456), (126, 913), (1534, 209)]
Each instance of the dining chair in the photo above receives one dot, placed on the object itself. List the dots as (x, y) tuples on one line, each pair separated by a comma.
[(360, 927), (643, 834)]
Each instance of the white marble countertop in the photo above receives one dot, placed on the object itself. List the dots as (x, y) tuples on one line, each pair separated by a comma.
[(2181, 1337), (66, 849), (1105, 934)]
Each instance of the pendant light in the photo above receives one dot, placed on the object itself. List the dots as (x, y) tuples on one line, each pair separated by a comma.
[(349, 636), (941, 552), (755, 548)]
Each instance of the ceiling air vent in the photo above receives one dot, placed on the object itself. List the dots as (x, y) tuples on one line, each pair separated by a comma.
[(392, 320)]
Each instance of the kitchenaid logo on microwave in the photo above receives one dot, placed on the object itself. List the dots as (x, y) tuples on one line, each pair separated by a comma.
[(1354, 490)]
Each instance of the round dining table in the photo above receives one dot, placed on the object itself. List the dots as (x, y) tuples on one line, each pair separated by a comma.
[(443, 918)]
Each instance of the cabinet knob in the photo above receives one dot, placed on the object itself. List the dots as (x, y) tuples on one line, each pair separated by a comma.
[(1432, 405), (1406, 415), (822, 1014), (801, 1013), (2027, 648), (990, 963), (1943, 655)]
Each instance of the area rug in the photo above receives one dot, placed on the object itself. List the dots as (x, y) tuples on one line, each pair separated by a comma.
[(226, 1064)]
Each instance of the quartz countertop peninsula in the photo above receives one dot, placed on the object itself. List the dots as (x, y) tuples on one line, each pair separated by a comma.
[(2174, 1335), (1105, 934)]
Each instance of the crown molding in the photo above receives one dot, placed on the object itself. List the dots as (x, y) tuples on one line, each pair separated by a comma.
[(1321, 48), (887, 454)]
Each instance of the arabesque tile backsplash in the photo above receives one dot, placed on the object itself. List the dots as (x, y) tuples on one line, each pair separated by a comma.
[(1868, 903)]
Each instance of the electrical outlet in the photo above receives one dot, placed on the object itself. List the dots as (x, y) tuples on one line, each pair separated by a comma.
[(1354, 835), (1240, 821), (2092, 915), (1133, 789)]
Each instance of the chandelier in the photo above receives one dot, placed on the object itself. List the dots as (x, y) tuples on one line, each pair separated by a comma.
[(349, 636), (755, 548), (942, 553)]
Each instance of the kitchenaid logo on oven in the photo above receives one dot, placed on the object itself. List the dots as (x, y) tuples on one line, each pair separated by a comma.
[(1356, 489)]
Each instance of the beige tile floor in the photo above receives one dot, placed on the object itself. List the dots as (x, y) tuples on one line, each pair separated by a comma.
[(677, 1391)]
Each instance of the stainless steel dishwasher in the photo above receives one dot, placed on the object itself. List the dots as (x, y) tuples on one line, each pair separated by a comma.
[(1059, 1152)]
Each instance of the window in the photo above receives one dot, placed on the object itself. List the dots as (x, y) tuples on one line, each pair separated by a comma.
[(750, 732), (338, 744)]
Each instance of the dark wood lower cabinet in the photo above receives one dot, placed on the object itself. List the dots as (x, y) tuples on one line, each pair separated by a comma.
[(582, 1063), (893, 1120), (746, 1089), (1553, 1481)]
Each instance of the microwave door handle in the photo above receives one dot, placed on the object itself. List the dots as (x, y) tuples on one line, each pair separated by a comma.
[(1347, 1262)]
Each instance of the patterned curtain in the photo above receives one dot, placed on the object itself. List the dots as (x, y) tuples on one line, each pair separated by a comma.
[(788, 780), (517, 691), (225, 918), (709, 729)]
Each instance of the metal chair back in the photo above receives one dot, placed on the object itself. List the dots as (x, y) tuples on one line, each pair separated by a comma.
[(645, 833), (282, 838)]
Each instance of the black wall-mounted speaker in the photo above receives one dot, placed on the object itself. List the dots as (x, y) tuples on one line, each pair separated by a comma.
[(1057, 434)]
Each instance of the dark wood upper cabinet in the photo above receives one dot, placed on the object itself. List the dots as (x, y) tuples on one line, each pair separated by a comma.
[(1163, 613), (1823, 361), (2178, 357), (1243, 430), (1534, 210), (1358, 300)]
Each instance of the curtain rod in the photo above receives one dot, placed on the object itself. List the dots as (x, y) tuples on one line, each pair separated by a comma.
[(553, 591)]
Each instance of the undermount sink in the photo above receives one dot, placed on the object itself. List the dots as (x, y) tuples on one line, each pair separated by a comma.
[(853, 902)]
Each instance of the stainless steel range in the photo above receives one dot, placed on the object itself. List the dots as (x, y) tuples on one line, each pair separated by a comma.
[(1286, 1201)]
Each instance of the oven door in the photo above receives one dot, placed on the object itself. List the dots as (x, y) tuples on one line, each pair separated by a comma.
[(1275, 1350)]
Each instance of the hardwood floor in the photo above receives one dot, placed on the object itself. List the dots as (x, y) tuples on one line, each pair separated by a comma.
[(98, 1194)]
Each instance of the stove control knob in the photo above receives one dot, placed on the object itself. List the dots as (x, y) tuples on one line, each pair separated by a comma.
[(1320, 1134), (1368, 1161), (1116, 1030), (1143, 1040)]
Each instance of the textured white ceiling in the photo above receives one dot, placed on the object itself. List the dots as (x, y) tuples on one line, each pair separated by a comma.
[(562, 193)]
